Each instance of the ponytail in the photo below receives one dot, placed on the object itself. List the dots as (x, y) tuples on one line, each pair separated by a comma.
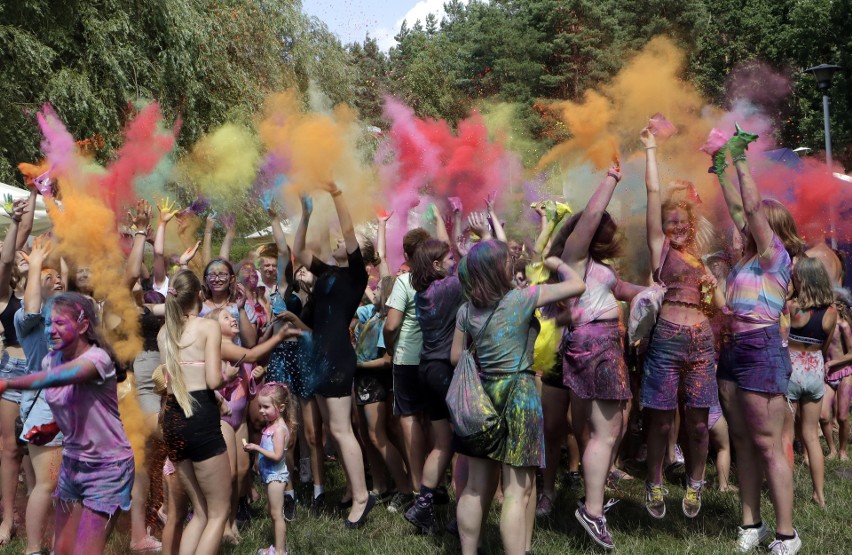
[(183, 296)]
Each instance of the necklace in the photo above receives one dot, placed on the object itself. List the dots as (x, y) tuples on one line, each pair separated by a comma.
[(219, 305)]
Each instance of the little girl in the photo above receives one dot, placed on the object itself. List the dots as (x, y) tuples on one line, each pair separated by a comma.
[(275, 405)]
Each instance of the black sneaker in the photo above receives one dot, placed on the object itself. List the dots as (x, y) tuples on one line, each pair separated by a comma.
[(422, 515), (400, 502), (441, 496), (289, 508), (595, 527), (452, 527), (318, 504), (574, 479), (243, 511), (385, 496)]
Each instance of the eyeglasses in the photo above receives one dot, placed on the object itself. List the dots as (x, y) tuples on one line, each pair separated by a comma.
[(218, 277)]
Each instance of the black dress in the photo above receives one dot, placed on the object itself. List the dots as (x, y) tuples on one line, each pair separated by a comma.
[(336, 296)]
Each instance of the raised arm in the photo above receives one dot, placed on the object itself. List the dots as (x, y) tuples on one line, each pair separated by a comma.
[(758, 225), (570, 283), (478, 224), (32, 293), (381, 243), (248, 331), (230, 223), (499, 232), (167, 212), (300, 251), (577, 244), (7, 257), (207, 243), (285, 271), (545, 230), (139, 218), (346, 226), (441, 233), (654, 216), (26, 225)]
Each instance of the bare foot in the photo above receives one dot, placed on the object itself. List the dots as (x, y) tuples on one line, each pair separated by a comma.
[(844, 456), (7, 530), (820, 501), (729, 487), (831, 456)]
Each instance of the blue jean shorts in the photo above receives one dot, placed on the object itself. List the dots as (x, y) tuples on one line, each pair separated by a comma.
[(103, 487), (680, 364), (11, 367), (807, 382), (756, 360)]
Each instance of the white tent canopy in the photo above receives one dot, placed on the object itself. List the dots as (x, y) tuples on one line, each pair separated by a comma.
[(41, 223)]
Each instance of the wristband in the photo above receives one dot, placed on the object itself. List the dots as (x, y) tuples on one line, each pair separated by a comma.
[(613, 175), (650, 147), (337, 193), (740, 158), (140, 232)]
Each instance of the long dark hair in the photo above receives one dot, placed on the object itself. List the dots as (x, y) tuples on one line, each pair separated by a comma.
[(81, 307), (606, 242), (484, 274), (423, 271)]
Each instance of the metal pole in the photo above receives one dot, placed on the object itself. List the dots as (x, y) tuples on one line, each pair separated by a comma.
[(830, 163)]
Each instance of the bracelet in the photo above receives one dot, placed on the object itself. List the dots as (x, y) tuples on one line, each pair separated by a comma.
[(337, 193), (613, 175), (712, 169), (649, 147), (740, 158), (140, 232)]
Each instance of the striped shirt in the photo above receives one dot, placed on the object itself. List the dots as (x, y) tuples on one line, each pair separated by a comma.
[(757, 286)]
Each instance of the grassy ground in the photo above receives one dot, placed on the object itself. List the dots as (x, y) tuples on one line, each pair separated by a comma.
[(826, 532)]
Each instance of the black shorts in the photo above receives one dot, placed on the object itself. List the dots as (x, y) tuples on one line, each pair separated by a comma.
[(198, 437), (553, 378), (434, 377), (407, 400), (372, 387)]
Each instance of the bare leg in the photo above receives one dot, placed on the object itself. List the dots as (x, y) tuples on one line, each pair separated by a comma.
[(92, 532), (178, 505), (67, 523), (474, 501), (46, 462), (722, 444), (275, 498), (765, 414), (415, 450), (439, 457), (517, 493), (313, 432), (604, 422), (208, 486), (338, 412), (554, 401), (230, 436), (697, 442), (376, 417), (749, 471), (10, 465), (810, 438), (844, 398), (660, 424), (825, 421)]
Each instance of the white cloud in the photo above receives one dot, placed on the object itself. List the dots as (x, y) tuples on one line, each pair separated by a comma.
[(419, 11)]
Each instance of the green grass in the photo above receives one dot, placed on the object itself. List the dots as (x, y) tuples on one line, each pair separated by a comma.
[(824, 532)]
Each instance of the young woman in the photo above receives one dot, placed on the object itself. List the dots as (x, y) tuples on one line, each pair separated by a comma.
[(439, 296), (191, 350), (239, 387), (276, 406), (593, 348), (12, 365), (79, 380), (812, 323), (337, 293), (256, 307), (500, 322), (222, 291), (680, 363), (40, 429), (754, 367)]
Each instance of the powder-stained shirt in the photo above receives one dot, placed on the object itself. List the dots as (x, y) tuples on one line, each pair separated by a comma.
[(757, 286), (507, 343), (436, 312), (87, 413), (410, 340)]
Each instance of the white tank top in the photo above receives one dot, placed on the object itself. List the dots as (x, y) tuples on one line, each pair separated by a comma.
[(598, 299)]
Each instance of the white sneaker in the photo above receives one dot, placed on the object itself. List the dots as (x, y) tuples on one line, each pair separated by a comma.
[(748, 539), (786, 547)]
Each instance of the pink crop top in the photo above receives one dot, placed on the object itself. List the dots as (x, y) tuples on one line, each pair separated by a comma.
[(681, 273), (598, 299)]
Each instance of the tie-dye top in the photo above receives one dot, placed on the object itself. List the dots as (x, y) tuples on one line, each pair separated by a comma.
[(757, 286), (506, 346), (599, 296)]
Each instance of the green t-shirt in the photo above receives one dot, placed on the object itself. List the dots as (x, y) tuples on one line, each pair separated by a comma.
[(410, 340)]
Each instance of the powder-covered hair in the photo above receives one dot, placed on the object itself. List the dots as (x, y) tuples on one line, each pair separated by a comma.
[(282, 398), (484, 273), (814, 286), (423, 271), (80, 307), (182, 298)]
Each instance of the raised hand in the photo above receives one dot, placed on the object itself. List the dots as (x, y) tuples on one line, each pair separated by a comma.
[(42, 247), (738, 144), (229, 221), (188, 254), (615, 173), (478, 224), (240, 297), (140, 215), (489, 201), (455, 204), (18, 209), (647, 138), (166, 208), (384, 216)]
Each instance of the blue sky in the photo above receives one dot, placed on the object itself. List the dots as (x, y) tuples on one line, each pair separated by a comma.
[(351, 20)]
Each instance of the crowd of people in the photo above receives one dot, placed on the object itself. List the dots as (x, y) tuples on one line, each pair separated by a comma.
[(469, 370)]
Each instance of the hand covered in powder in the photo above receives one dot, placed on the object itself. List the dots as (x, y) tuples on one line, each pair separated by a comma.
[(478, 224), (738, 144), (384, 216), (18, 209), (166, 208)]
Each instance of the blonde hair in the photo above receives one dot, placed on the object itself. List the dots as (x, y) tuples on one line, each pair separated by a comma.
[(282, 398), (782, 223), (182, 297)]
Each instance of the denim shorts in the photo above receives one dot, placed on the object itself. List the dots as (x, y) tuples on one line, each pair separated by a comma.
[(680, 364), (756, 360), (11, 367), (593, 361), (807, 382), (103, 487)]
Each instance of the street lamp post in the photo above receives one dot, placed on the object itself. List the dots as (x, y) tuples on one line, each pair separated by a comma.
[(823, 74)]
